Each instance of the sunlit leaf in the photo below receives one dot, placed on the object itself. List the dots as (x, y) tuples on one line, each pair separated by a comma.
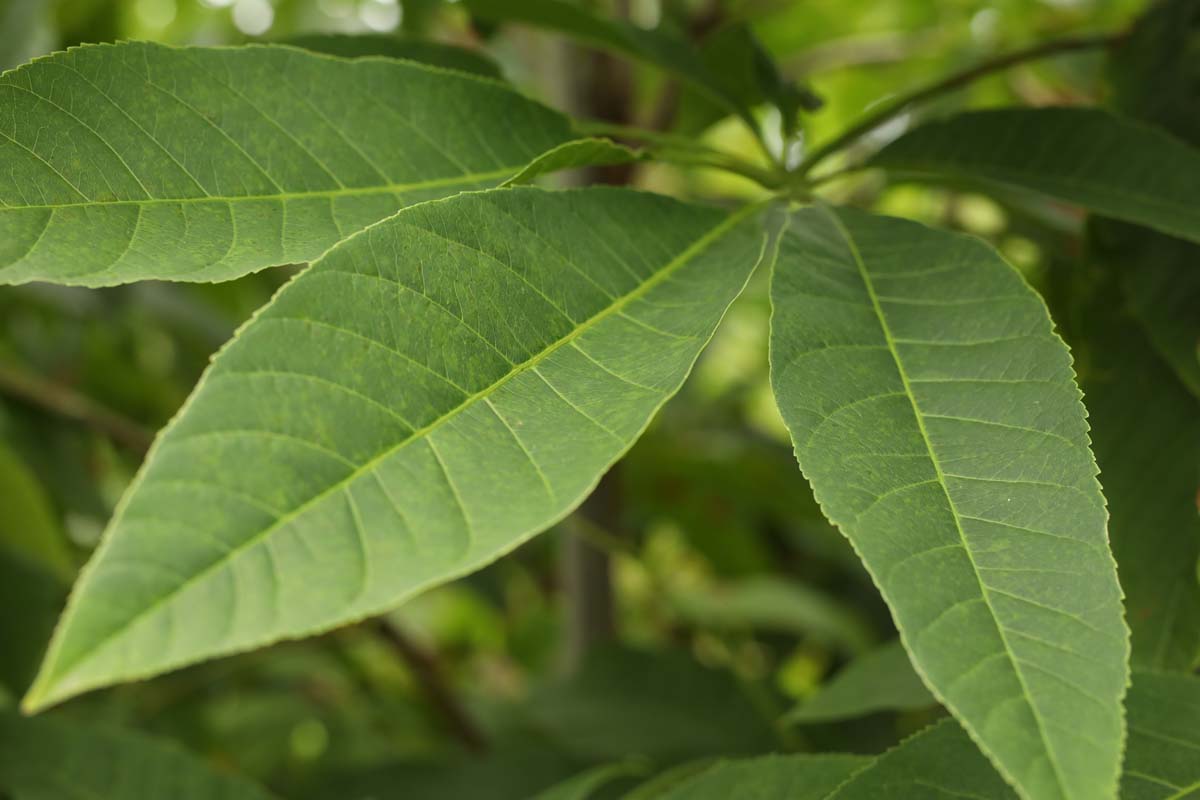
[(137, 161), (422, 400), (935, 413), (1115, 166)]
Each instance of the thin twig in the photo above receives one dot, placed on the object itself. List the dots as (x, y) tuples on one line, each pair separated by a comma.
[(428, 672), (890, 110), (66, 402)]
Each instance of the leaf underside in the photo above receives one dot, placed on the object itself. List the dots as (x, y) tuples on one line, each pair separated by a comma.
[(935, 413), (1112, 165), (423, 399), (140, 161)]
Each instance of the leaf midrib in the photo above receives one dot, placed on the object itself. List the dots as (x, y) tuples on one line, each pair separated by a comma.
[(618, 305), (357, 191), (941, 479)]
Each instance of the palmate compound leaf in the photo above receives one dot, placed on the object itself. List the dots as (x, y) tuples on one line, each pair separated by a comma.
[(1115, 166), (423, 399), (140, 161), (51, 759), (935, 413)]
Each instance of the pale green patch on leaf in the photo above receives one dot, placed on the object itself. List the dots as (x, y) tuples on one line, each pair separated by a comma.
[(1112, 165), (934, 411), (139, 161), (882, 680), (423, 51), (423, 399), (49, 759), (592, 152)]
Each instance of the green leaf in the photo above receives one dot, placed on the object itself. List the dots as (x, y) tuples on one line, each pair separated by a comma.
[(51, 759), (796, 777), (28, 526), (933, 410), (939, 762), (628, 703), (775, 604), (138, 161), (592, 152), (662, 48), (1115, 166), (1161, 757), (426, 397), (32, 599), (882, 680), (585, 785), (423, 51), (1150, 469)]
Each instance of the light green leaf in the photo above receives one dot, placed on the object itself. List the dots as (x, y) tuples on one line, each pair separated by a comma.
[(426, 397), (882, 680), (52, 759), (1114, 166), (586, 784), (1161, 758), (770, 603), (798, 777), (28, 527), (934, 412), (939, 763), (422, 51), (137, 161), (1150, 469), (577, 153)]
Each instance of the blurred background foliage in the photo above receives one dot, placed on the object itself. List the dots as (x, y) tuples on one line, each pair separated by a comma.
[(732, 600)]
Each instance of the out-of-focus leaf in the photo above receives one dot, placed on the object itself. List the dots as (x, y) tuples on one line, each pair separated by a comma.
[(510, 771), (1155, 73), (934, 410), (799, 777), (668, 779), (575, 154), (882, 680), (422, 51), (26, 30), (1161, 761), (585, 785), (730, 89), (1146, 436), (775, 604), (30, 601), (28, 526), (1114, 166), (327, 467), (137, 161), (626, 703), (53, 758)]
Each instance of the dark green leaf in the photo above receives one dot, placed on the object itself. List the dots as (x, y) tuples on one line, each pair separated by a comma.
[(1162, 757), (799, 777), (53, 759), (1114, 166), (934, 411), (882, 680)]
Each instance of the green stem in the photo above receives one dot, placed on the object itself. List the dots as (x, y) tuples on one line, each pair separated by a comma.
[(890, 110)]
